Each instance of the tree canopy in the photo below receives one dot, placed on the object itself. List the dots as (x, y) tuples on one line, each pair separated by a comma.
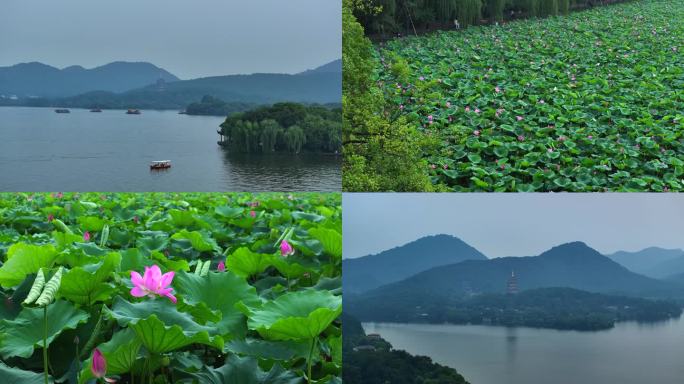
[(289, 127)]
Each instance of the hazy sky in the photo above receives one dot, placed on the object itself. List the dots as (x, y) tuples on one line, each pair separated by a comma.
[(188, 38), (515, 224)]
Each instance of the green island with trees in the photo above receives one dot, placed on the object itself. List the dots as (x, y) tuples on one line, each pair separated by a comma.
[(369, 359), (284, 127), (554, 308)]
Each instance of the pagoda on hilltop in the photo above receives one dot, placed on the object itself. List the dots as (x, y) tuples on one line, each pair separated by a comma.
[(512, 287)]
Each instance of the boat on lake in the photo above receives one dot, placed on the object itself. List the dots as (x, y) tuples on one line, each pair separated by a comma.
[(62, 110), (96, 110), (133, 112), (160, 164)]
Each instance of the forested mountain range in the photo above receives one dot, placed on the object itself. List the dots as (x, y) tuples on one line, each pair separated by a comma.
[(372, 271), (158, 89)]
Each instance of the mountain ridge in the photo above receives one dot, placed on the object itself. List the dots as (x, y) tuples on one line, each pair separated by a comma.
[(320, 87), (371, 271)]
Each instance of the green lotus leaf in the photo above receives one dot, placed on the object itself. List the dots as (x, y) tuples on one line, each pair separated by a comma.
[(82, 286), (181, 218), (199, 240), (20, 336), (331, 240), (229, 212), (12, 375), (218, 291), (307, 216), (245, 370), (25, 259), (91, 223), (160, 326), (295, 315), (274, 350), (152, 243), (245, 263)]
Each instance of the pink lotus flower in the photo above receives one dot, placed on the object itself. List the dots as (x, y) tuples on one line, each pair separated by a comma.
[(430, 118), (561, 139), (497, 89), (521, 138), (590, 137), (136, 219), (476, 133), (542, 101), (86, 236), (421, 78), (401, 107), (252, 213), (286, 249), (152, 283), (221, 267), (445, 166), (549, 150), (477, 110), (467, 109), (60, 195), (50, 218), (99, 366), (432, 166), (519, 118)]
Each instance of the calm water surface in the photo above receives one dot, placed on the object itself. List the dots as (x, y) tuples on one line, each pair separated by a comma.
[(41, 150), (630, 353)]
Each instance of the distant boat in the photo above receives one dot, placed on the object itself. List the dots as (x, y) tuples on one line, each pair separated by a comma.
[(96, 110), (182, 113), (160, 164), (133, 112), (62, 110)]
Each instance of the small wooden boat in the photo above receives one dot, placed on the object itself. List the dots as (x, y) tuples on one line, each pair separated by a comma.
[(62, 110), (96, 110), (182, 113), (133, 112), (160, 164)]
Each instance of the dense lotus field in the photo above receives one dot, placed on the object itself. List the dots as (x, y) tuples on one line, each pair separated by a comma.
[(170, 288), (593, 101)]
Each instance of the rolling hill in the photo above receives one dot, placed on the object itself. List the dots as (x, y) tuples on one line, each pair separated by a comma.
[(654, 262), (572, 265), (40, 80), (321, 85), (369, 272)]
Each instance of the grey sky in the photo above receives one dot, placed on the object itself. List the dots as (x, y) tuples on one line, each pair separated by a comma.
[(515, 224), (188, 38)]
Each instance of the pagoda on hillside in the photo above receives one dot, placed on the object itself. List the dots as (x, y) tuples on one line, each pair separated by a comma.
[(512, 287)]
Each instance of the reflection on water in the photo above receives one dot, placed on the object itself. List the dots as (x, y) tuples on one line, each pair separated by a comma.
[(41, 150), (630, 353), (310, 172)]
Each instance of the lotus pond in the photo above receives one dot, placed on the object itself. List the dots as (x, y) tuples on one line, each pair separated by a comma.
[(188, 288), (593, 101)]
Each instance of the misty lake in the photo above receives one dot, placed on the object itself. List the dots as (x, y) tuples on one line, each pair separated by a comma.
[(630, 353), (41, 150)]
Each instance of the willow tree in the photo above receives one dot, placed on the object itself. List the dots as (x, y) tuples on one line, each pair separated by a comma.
[(469, 12), (495, 9), (269, 134), (295, 139), (548, 8)]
